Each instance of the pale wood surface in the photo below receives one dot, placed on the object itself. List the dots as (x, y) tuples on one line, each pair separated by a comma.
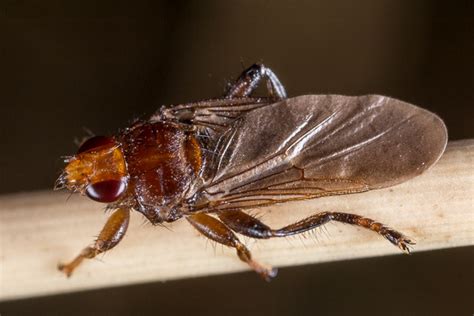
[(37, 230)]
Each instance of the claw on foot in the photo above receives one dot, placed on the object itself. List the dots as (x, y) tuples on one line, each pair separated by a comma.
[(404, 244), (69, 268), (266, 272), (66, 269), (269, 274)]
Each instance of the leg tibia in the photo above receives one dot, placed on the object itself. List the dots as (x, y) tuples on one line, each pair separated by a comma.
[(217, 231), (109, 237)]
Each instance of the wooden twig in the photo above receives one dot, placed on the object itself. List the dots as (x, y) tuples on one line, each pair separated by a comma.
[(38, 230)]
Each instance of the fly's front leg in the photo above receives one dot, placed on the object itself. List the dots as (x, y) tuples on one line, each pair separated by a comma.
[(109, 237), (250, 226), (217, 231), (251, 78)]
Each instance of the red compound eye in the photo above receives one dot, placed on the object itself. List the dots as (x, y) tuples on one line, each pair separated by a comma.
[(95, 143), (106, 191)]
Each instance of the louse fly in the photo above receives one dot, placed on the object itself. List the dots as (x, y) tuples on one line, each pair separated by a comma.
[(209, 162)]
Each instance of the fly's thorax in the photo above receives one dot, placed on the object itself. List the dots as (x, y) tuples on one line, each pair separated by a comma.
[(162, 160)]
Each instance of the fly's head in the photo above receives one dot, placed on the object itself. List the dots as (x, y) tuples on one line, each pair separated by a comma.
[(98, 170)]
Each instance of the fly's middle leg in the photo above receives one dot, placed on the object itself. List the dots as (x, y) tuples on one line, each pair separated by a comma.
[(109, 237), (213, 229), (249, 80), (248, 225)]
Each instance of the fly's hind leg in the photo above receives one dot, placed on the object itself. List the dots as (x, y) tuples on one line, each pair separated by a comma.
[(213, 229), (248, 225), (251, 78), (109, 237)]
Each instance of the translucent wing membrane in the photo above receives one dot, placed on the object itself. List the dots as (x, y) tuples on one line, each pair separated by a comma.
[(318, 145)]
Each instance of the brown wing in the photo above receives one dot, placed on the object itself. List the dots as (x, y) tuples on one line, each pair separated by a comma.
[(319, 145)]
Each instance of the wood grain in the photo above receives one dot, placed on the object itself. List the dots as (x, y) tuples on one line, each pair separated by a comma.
[(40, 229)]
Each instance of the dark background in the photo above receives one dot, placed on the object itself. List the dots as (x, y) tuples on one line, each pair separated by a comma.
[(99, 65)]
